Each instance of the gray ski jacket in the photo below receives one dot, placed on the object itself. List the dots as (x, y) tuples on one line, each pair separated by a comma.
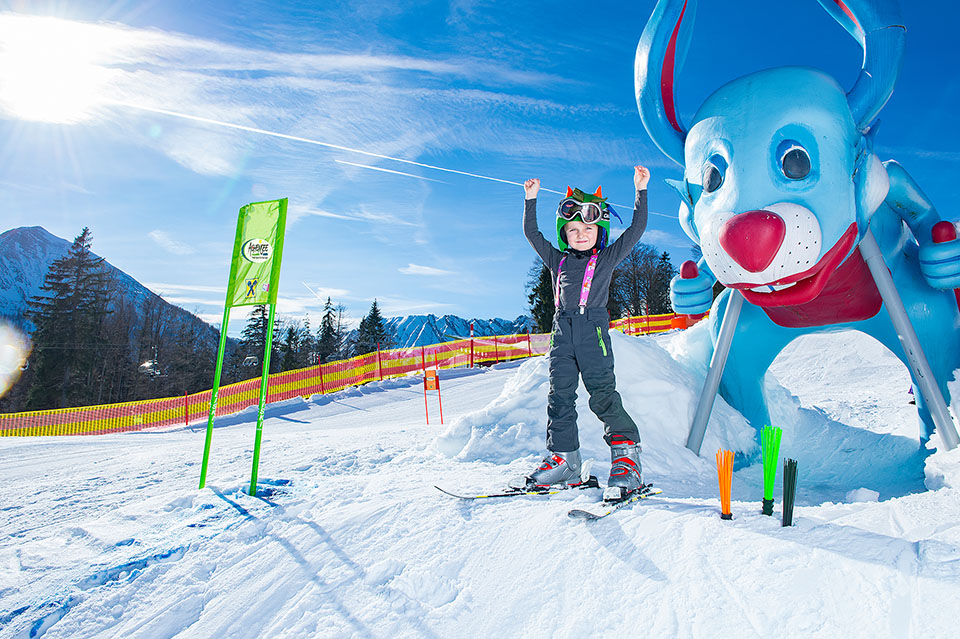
[(571, 277)]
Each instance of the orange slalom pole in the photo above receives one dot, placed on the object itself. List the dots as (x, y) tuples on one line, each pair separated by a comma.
[(725, 479)]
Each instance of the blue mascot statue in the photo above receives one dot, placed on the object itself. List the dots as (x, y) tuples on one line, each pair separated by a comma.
[(798, 217)]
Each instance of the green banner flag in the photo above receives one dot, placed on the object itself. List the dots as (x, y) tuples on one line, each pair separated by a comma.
[(255, 269), (254, 276)]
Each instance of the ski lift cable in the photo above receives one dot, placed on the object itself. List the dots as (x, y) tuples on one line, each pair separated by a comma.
[(338, 147)]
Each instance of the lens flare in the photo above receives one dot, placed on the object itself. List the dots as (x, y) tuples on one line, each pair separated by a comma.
[(14, 352)]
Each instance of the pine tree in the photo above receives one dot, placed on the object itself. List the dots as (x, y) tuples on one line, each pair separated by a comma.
[(290, 348), (69, 340), (327, 339), (342, 348), (254, 338), (659, 295), (371, 334), (540, 296)]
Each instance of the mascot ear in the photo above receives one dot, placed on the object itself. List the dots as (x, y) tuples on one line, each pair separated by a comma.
[(569, 192), (599, 193), (686, 208), (680, 186)]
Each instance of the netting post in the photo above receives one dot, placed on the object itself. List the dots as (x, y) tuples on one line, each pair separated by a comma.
[(439, 400), (379, 365)]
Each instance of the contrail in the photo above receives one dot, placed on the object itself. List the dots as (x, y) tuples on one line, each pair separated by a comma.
[(380, 168), (297, 138)]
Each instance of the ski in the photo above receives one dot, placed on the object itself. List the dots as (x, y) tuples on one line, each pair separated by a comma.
[(608, 507), (517, 492)]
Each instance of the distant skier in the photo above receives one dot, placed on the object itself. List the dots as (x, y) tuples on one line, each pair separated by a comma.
[(580, 343)]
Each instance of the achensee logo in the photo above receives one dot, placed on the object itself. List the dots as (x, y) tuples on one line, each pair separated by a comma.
[(256, 250)]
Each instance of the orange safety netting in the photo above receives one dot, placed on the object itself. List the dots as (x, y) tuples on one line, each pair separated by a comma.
[(325, 378)]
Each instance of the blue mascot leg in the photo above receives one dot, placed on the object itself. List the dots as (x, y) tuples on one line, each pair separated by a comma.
[(756, 343)]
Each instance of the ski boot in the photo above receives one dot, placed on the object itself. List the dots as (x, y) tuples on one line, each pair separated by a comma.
[(625, 469), (556, 468)]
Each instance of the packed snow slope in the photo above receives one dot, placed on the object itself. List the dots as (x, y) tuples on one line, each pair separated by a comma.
[(347, 537)]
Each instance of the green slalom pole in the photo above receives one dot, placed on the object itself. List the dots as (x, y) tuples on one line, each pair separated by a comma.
[(213, 395), (264, 387), (770, 440)]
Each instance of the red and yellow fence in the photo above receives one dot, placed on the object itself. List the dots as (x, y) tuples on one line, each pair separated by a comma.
[(304, 382)]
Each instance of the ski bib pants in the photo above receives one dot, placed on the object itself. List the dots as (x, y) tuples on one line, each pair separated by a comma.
[(580, 348)]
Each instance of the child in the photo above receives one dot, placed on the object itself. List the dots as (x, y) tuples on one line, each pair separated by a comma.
[(580, 344)]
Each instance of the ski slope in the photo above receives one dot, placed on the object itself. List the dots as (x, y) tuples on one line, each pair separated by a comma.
[(109, 537)]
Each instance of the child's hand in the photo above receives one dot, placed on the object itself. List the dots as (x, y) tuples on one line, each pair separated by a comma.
[(531, 187), (641, 175)]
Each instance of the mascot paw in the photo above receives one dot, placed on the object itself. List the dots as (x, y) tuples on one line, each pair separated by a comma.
[(940, 264), (691, 292)]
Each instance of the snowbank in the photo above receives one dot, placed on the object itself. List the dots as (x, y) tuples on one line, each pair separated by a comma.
[(660, 382)]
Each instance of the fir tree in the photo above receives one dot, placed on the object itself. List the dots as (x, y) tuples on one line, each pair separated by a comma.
[(254, 338), (540, 296), (371, 334), (69, 340), (327, 339), (659, 295)]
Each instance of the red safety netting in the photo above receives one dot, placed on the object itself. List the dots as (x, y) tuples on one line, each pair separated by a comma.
[(325, 378)]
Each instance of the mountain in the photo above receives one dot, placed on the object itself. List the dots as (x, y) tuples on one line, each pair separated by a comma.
[(26, 254), (423, 330)]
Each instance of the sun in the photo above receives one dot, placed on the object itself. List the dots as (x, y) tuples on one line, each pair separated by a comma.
[(51, 70)]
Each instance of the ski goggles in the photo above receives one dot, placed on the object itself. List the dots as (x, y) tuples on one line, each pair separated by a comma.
[(589, 212)]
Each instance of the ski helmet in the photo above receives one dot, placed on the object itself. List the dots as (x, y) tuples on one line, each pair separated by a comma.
[(603, 223)]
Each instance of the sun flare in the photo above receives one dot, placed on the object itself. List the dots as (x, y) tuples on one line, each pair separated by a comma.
[(51, 70)]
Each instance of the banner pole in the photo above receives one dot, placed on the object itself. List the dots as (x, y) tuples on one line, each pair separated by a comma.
[(264, 390), (213, 393)]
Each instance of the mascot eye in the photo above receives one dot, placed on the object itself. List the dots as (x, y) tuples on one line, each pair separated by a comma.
[(711, 179), (713, 174), (795, 162)]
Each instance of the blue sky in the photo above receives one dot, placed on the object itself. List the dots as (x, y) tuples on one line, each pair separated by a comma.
[(503, 90)]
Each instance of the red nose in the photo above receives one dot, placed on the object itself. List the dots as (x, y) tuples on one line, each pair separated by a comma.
[(753, 238)]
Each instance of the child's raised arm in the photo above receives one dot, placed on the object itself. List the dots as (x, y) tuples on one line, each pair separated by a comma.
[(531, 188), (547, 252), (641, 176)]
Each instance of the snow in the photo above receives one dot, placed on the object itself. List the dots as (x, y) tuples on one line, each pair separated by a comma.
[(109, 536)]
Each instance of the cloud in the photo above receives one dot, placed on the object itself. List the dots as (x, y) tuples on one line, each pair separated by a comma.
[(416, 269), (398, 307), (171, 244), (663, 238)]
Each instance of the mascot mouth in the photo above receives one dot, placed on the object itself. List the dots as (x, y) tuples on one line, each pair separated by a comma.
[(801, 288)]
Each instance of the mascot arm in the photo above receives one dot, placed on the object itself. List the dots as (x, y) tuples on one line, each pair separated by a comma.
[(939, 261), (691, 291)]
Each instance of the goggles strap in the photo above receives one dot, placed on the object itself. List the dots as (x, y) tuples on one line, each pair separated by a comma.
[(587, 281)]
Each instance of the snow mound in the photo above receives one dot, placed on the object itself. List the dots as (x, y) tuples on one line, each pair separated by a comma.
[(659, 380)]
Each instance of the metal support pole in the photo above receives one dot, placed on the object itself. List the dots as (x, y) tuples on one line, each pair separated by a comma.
[(916, 358), (717, 362)]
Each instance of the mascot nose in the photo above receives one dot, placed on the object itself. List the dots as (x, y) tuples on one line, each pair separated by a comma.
[(753, 238)]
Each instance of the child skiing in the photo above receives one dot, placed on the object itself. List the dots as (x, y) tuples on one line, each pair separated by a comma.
[(580, 346)]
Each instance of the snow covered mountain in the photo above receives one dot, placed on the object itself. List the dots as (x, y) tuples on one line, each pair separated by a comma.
[(26, 254), (423, 330)]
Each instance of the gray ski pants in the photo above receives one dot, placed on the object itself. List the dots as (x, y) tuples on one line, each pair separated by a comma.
[(580, 347)]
